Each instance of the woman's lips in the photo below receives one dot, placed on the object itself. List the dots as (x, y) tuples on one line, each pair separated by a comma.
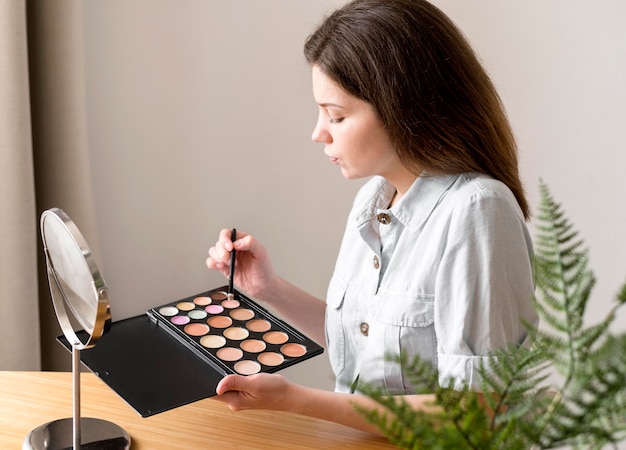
[(332, 159)]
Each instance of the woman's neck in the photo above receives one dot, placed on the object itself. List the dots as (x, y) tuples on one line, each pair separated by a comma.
[(402, 184)]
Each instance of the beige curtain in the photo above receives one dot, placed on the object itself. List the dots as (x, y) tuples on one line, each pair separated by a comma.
[(44, 163), (19, 324)]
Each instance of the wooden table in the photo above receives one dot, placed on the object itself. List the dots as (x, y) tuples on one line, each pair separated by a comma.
[(30, 399)]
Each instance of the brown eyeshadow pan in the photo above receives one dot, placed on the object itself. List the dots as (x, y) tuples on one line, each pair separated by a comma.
[(218, 296)]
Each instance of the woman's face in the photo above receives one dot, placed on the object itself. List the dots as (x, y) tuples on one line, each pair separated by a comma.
[(352, 133)]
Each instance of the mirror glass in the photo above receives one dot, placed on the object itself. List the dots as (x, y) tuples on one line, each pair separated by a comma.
[(79, 293)]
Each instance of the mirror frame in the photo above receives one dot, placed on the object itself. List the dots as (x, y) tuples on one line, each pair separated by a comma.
[(61, 300)]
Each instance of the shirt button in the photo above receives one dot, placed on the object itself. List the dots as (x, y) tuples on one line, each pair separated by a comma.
[(365, 328), (384, 218), (376, 262)]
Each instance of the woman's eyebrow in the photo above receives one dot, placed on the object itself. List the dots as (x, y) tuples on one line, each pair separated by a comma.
[(331, 105)]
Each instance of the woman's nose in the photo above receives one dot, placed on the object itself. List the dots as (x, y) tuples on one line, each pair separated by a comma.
[(320, 134)]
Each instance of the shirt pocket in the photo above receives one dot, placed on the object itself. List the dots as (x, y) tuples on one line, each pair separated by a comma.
[(407, 327), (335, 338)]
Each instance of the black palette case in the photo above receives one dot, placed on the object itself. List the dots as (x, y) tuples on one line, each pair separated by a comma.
[(178, 352)]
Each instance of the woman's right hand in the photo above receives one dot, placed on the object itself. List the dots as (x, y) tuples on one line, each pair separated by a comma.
[(254, 272)]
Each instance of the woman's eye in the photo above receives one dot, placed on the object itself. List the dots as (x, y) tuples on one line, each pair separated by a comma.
[(331, 120)]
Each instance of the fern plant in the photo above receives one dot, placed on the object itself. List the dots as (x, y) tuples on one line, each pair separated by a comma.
[(567, 389)]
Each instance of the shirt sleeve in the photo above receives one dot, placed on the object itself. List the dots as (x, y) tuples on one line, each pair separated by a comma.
[(484, 285)]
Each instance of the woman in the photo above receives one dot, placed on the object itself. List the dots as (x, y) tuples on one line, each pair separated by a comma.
[(436, 257)]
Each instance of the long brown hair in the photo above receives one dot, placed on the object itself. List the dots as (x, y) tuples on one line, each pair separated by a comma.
[(437, 103)]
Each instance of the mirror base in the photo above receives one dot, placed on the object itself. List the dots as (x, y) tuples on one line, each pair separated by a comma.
[(96, 434)]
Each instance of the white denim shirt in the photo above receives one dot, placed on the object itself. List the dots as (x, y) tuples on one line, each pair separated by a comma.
[(445, 273)]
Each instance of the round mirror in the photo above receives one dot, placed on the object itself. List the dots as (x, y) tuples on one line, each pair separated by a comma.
[(80, 300), (75, 282)]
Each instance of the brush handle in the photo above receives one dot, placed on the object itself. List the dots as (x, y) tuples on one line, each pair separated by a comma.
[(233, 237)]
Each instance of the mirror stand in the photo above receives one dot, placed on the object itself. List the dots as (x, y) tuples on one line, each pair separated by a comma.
[(75, 285), (76, 432)]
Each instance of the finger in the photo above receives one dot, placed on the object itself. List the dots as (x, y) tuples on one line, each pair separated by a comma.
[(230, 383), (225, 239), (244, 242), (214, 265), (218, 254), (223, 248), (229, 398)]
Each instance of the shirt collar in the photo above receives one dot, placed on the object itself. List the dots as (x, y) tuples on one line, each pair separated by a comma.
[(414, 207)]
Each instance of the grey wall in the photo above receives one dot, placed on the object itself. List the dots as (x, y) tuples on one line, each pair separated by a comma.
[(200, 114)]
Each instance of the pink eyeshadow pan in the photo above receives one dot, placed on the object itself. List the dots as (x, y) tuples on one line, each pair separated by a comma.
[(247, 367), (214, 309), (180, 320)]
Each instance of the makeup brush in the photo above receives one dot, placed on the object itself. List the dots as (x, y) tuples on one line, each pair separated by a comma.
[(231, 295)]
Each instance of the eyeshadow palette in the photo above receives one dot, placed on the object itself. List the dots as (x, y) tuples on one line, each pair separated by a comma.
[(177, 353), (234, 335)]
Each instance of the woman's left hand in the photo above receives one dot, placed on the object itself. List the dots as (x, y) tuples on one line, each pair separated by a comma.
[(260, 391), (274, 392)]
